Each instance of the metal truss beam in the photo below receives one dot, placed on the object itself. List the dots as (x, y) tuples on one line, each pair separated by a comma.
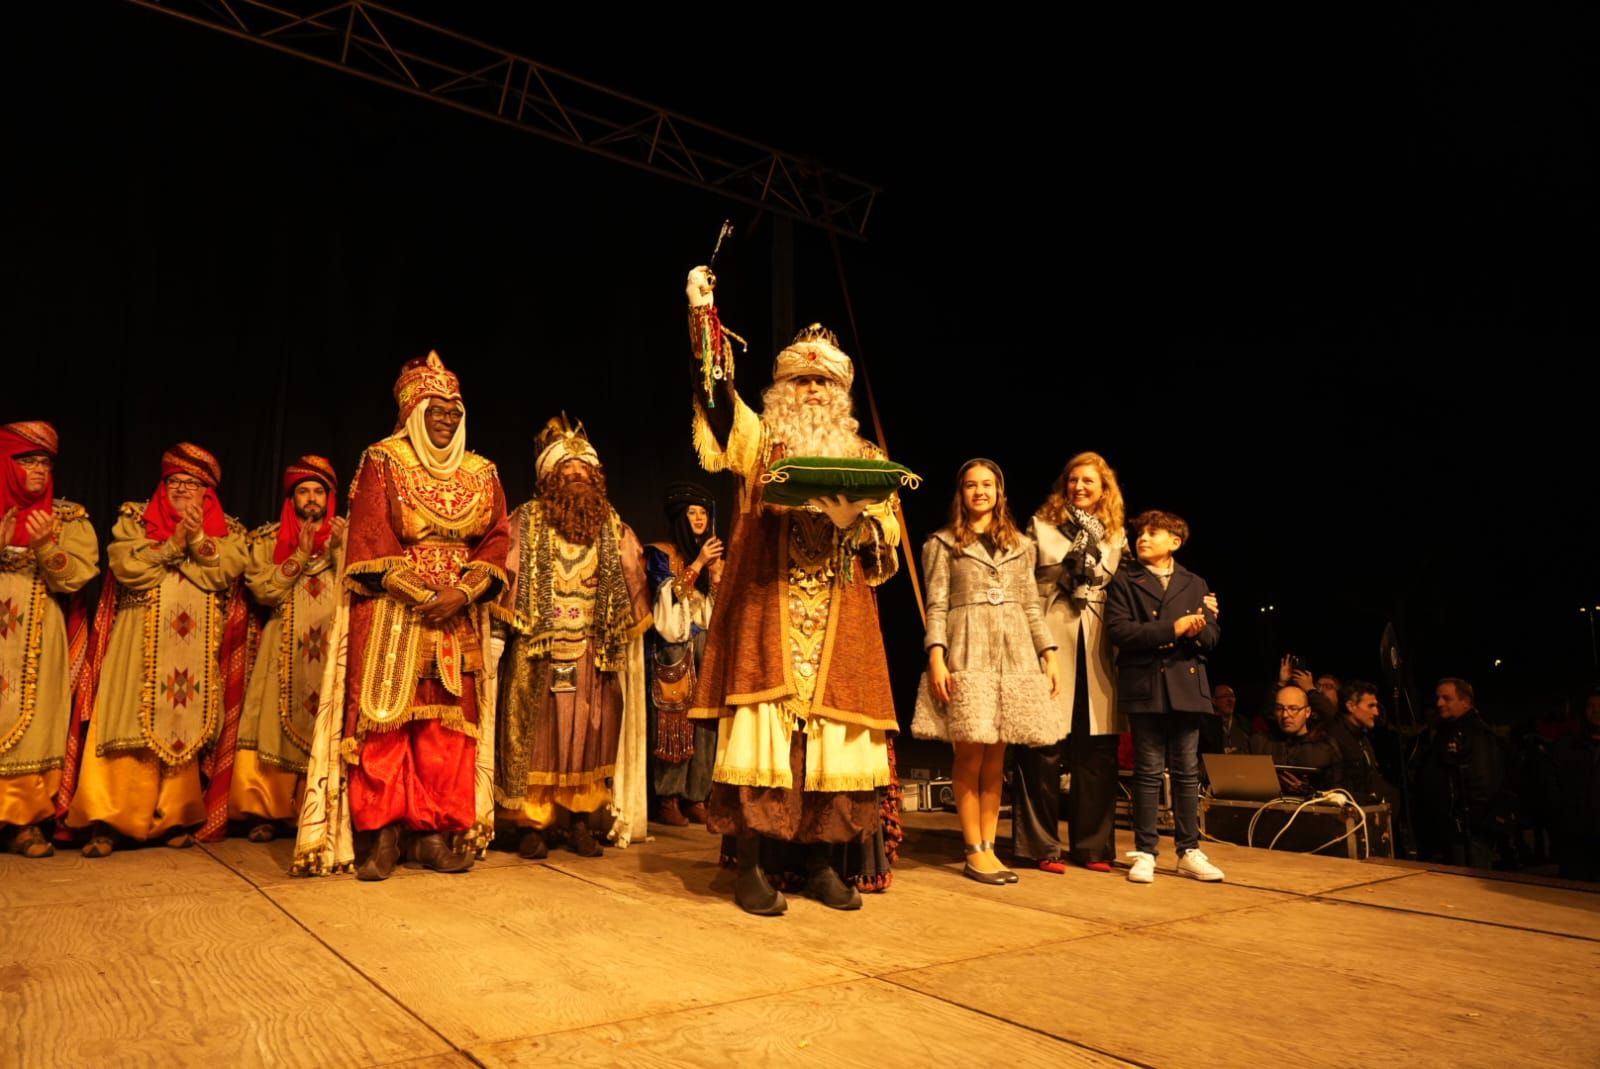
[(397, 50)]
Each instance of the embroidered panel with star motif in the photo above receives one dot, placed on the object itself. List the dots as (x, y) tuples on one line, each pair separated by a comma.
[(181, 701), (307, 616), (20, 597)]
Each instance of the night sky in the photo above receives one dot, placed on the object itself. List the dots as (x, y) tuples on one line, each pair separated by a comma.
[(1325, 289)]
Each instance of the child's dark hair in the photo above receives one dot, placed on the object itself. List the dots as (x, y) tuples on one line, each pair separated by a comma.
[(1170, 522)]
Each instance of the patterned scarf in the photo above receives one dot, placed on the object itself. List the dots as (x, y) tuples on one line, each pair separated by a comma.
[(1080, 567)]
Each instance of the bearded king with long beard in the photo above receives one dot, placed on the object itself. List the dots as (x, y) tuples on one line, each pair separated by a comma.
[(572, 622), (794, 671)]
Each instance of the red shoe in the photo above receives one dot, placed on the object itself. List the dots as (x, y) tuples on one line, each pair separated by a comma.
[(1097, 866), (1053, 864)]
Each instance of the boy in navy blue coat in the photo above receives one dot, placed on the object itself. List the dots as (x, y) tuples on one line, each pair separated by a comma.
[(1157, 618)]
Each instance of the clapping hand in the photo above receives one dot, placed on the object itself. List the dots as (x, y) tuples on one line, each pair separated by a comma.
[(194, 522), (43, 528), (308, 538)]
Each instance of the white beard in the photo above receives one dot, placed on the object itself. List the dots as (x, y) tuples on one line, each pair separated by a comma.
[(825, 430)]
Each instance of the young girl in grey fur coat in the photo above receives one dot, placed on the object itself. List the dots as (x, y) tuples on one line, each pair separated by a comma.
[(991, 677)]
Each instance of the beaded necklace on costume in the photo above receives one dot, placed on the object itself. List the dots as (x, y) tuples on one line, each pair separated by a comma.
[(604, 591), (572, 597)]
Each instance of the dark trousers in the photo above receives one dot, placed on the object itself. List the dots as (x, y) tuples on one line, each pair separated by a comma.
[(1166, 742), (1091, 807), (1036, 801)]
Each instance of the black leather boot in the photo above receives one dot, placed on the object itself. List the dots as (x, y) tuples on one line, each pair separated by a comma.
[(440, 854), (383, 851), (750, 888), (824, 884)]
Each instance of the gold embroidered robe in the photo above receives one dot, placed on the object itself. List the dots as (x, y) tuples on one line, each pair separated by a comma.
[(280, 706), (35, 689), (158, 700)]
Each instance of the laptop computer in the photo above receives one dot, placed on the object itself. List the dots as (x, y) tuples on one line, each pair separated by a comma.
[(1245, 777)]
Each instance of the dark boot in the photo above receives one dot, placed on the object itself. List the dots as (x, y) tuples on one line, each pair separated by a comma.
[(695, 812), (824, 884), (582, 841), (750, 887), (440, 854), (383, 851), (670, 815), (532, 845)]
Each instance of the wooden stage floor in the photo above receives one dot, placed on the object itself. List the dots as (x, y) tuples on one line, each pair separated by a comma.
[(216, 957)]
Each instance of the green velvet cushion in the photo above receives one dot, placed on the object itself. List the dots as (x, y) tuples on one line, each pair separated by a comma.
[(796, 480)]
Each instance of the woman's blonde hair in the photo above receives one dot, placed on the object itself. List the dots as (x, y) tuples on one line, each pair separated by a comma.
[(1109, 511)]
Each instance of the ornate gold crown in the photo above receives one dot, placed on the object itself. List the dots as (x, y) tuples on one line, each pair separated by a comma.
[(424, 378), (816, 332), (561, 439)]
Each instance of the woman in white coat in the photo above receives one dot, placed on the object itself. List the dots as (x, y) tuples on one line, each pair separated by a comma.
[(1079, 532)]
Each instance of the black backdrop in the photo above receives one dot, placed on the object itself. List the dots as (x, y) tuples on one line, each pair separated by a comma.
[(1327, 290)]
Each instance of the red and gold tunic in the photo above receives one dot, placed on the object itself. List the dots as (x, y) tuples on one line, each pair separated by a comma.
[(410, 535)]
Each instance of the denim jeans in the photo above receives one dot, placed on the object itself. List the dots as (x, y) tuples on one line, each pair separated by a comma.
[(1166, 742)]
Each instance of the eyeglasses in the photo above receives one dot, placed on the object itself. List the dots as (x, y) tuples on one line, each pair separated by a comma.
[(178, 482), (1290, 708), (35, 463)]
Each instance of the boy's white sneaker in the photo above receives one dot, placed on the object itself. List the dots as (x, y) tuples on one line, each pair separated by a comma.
[(1195, 865), (1143, 869)]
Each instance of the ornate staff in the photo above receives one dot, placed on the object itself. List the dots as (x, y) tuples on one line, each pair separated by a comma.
[(709, 337)]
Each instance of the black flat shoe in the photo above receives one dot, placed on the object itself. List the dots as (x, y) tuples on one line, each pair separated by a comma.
[(995, 878), (1010, 876)]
